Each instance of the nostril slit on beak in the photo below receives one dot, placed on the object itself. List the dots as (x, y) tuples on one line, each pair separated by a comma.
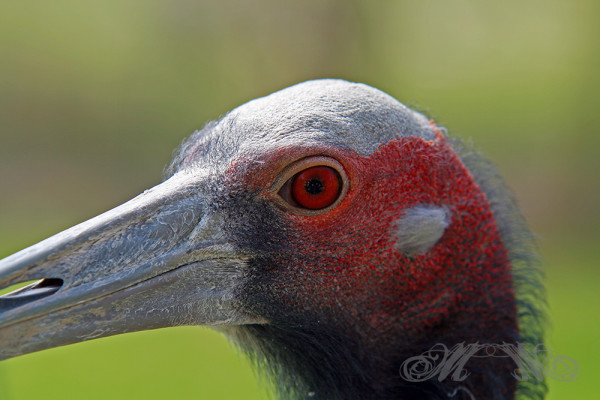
[(29, 293)]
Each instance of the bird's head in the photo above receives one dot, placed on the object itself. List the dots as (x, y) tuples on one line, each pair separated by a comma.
[(327, 228)]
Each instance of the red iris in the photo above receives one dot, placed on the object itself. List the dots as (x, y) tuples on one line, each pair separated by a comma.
[(316, 187)]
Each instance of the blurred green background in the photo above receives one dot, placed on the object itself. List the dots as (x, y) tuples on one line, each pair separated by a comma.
[(95, 95)]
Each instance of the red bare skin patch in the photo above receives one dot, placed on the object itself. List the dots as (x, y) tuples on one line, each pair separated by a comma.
[(344, 264)]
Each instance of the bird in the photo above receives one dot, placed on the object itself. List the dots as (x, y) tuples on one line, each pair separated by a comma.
[(328, 230)]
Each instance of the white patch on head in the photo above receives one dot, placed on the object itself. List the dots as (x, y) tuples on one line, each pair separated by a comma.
[(327, 111), (420, 228), (320, 114)]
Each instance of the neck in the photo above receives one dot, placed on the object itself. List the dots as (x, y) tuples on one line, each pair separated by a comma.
[(321, 363)]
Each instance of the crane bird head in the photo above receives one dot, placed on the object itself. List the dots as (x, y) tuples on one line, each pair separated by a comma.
[(327, 229)]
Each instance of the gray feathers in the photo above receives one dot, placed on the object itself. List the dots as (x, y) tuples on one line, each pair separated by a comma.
[(319, 113), (330, 111), (420, 228)]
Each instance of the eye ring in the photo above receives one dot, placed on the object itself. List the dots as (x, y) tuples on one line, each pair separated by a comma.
[(324, 176)]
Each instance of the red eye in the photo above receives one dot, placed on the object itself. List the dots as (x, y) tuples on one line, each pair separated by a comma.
[(316, 187), (312, 185)]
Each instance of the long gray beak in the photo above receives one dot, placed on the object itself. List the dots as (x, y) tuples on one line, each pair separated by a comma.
[(158, 260)]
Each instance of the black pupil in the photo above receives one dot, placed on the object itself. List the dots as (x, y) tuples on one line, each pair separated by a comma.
[(314, 186)]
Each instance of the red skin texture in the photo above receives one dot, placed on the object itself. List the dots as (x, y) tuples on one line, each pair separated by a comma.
[(345, 268)]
